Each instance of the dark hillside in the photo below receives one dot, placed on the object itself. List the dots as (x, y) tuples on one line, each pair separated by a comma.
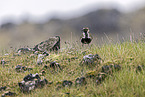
[(102, 22)]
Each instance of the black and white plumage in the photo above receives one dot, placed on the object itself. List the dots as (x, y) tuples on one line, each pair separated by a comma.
[(86, 37), (52, 44)]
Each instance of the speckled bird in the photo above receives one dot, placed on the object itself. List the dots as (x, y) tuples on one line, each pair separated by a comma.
[(86, 37), (52, 44)]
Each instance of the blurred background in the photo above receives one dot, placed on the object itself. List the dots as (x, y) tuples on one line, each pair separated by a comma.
[(28, 22)]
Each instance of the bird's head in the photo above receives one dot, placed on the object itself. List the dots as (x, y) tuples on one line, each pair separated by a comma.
[(85, 29), (58, 37)]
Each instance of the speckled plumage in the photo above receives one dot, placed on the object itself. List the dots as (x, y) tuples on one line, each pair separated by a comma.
[(52, 44)]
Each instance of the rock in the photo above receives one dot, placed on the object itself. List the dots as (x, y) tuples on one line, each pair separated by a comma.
[(110, 68), (106, 69), (80, 81), (101, 77), (40, 59), (96, 57), (66, 83), (27, 86), (40, 56), (8, 93), (3, 88), (41, 83), (31, 85), (30, 82), (88, 59), (52, 44), (20, 68), (31, 77), (54, 65), (91, 59)]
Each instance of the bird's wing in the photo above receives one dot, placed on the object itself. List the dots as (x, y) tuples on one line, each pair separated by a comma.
[(90, 35), (48, 44), (51, 41), (81, 36)]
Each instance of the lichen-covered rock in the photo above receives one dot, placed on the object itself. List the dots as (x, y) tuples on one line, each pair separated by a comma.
[(31, 77), (31, 81), (8, 93), (91, 59), (27, 86), (80, 81), (110, 68), (20, 68), (54, 65), (52, 44), (40, 59), (3, 88), (66, 83), (101, 77), (40, 83), (106, 69)]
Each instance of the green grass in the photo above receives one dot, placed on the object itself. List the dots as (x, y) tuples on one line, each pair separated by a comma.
[(124, 83)]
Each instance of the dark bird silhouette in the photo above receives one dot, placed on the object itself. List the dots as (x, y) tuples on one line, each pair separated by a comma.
[(86, 37)]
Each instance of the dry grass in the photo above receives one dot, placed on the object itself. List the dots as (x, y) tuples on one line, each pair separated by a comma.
[(125, 83)]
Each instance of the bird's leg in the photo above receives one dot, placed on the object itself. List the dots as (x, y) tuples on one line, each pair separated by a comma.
[(89, 46)]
